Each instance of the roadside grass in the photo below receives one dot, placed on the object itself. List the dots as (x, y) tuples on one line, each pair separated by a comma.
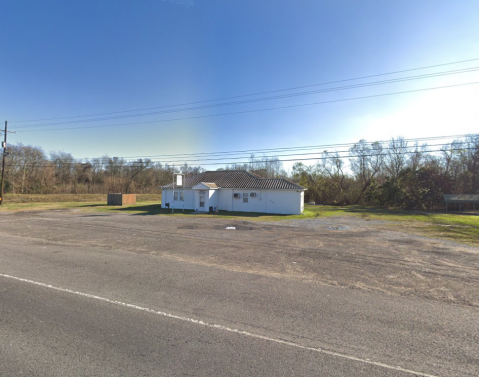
[(38, 202), (43, 206), (459, 227), (74, 198)]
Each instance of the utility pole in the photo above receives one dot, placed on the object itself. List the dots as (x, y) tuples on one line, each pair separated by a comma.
[(4, 154)]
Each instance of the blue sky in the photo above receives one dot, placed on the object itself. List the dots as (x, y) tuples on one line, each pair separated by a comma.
[(64, 58)]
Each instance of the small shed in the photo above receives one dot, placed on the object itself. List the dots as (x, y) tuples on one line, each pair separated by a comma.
[(461, 202), (121, 199)]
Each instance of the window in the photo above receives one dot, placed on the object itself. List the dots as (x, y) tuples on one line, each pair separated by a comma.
[(245, 197), (182, 196), (175, 196)]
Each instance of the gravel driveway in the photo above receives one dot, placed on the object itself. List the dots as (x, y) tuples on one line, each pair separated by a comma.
[(341, 251)]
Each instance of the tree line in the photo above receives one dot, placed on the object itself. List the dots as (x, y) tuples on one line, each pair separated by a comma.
[(393, 174), (30, 170), (389, 174)]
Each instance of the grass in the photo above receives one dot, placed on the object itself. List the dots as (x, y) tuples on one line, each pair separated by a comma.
[(463, 228), (85, 202), (65, 198), (459, 227)]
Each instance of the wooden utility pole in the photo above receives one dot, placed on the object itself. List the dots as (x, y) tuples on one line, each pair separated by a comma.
[(4, 154)]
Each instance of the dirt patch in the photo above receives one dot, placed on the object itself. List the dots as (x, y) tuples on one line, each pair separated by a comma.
[(349, 252)]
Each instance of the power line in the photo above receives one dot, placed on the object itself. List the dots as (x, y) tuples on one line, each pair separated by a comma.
[(293, 148), (322, 147), (199, 161), (255, 162), (136, 164), (259, 110), (253, 94), (355, 86)]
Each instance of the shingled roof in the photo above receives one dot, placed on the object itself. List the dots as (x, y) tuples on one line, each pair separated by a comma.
[(238, 179)]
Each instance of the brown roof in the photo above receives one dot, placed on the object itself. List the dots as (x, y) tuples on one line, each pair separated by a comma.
[(239, 179), (210, 185)]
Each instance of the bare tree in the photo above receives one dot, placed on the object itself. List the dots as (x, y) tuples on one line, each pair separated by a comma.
[(366, 161), (332, 167), (396, 156)]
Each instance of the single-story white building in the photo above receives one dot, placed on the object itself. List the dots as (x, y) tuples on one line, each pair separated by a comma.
[(235, 190)]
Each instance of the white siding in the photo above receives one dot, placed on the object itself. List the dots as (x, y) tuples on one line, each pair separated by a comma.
[(266, 201), (214, 195), (285, 201), (167, 197), (256, 204), (211, 199), (225, 199)]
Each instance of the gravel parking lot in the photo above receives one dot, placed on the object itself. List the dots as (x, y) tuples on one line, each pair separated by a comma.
[(339, 251)]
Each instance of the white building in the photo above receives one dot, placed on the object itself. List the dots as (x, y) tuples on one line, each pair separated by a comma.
[(236, 190)]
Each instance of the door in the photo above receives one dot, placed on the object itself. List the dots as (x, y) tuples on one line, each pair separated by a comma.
[(202, 201)]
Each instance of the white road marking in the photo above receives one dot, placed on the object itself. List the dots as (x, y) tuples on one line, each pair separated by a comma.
[(220, 327)]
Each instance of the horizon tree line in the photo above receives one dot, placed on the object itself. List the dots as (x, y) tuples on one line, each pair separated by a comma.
[(388, 174)]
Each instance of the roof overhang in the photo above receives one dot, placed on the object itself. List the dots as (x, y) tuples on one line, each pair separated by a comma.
[(205, 186)]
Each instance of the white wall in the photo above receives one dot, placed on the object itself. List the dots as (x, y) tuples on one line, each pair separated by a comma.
[(266, 201), (285, 201), (256, 204), (225, 199), (211, 199), (167, 197)]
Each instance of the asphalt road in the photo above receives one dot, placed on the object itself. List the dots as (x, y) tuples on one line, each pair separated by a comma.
[(79, 310)]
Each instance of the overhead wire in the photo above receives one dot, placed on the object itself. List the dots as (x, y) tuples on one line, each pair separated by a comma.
[(321, 146), (314, 149), (259, 110), (355, 86), (254, 94), (200, 161), (334, 154), (280, 149), (253, 162)]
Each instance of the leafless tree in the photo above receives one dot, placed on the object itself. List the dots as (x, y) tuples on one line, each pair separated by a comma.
[(396, 156)]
